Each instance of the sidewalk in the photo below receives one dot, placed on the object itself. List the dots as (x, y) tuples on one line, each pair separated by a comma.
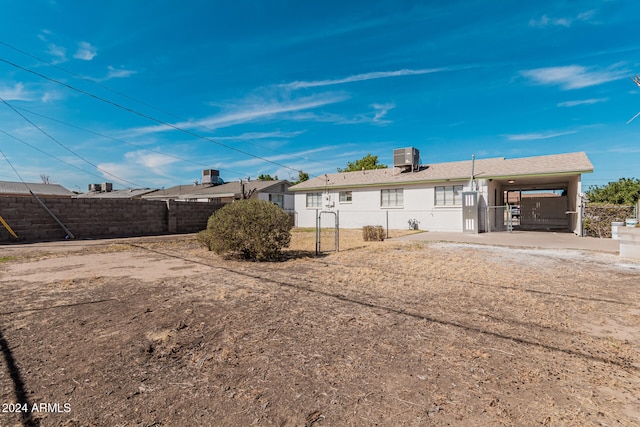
[(527, 239)]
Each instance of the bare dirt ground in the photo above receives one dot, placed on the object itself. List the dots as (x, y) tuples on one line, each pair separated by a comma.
[(147, 333)]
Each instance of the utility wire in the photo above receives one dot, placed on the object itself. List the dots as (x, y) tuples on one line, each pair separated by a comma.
[(64, 146), (146, 104), (50, 155), (124, 142), (143, 115)]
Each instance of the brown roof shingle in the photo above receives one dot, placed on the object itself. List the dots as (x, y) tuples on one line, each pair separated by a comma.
[(498, 167)]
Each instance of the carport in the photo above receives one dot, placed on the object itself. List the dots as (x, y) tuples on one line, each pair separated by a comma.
[(544, 202)]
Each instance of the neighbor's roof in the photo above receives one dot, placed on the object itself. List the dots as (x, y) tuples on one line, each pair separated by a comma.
[(130, 193), (500, 167), (22, 189), (229, 189)]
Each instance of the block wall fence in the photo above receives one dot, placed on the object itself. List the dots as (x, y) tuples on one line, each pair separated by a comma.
[(100, 218)]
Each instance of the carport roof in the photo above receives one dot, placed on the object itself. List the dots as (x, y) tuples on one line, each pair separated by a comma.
[(494, 168)]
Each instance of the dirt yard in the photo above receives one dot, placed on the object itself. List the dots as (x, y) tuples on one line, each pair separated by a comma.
[(150, 332)]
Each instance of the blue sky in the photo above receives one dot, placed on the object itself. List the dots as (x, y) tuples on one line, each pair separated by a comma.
[(147, 94)]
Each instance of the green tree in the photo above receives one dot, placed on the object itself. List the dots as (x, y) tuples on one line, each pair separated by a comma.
[(625, 191), (302, 177), (367, 162), (255, 229), (267, 177)]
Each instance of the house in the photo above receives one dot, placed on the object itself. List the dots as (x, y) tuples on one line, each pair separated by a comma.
[(276, 191), (106, 191), (13, 189), (469, 195)]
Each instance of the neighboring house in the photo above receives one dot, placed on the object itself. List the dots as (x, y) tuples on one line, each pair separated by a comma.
[(431, 195), (13, 189), (274, 191), (106, 191)]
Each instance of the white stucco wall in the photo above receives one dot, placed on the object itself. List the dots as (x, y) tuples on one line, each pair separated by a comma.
[(365, 209), (289, 200)]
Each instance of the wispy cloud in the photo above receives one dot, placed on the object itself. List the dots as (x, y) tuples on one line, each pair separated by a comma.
[(547, 21), (582, 102), (58, 53), (250, 110), (375, 117), (85, 51), (16, 93), (118, 73), (362, 77), (536, 136), (573, 76), (248, 136)]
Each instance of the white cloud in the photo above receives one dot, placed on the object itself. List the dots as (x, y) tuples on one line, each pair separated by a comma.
[(546, 21), (258, 135), (582, 102), (572, 76), (118, 73), (381, 111), (154, 161), (248, 111), (536, 136), (16, 93), (361, 77), (85, 51), (58, 53)]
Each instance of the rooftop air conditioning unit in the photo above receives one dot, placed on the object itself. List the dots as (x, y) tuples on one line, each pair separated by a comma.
[(211, 176), (406, 158), (95, 188), (106, 187)]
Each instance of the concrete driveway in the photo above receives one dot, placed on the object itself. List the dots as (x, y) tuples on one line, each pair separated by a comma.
[(528, 239)]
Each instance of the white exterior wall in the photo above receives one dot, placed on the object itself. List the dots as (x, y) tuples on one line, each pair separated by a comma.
[(289, 200), (365, 209)]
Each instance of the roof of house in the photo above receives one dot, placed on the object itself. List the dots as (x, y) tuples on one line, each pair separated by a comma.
[(500, 167), (131, 193), (22, 189), (229, 189)]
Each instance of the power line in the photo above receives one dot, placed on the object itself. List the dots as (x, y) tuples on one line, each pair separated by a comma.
[(64, 146), (143, 115), (50, 155), (146, 104), (125, 142)]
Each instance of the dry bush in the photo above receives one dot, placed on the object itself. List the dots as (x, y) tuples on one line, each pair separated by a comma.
[(598, 218), (372, 233)]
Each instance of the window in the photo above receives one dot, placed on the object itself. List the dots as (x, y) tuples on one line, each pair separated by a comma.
[(345, 197), (449, 196), (278, 199), (391, 198), (314, 200)]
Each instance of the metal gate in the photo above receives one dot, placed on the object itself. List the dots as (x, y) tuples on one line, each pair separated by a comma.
[(470, 212), (327, 240)]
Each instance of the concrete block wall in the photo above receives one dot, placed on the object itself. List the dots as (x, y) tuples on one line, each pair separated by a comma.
[(100, 218)]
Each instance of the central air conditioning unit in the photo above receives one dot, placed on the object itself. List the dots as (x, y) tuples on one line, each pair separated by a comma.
[(94, 188), (407, 158), (211, 176), (106, 187)]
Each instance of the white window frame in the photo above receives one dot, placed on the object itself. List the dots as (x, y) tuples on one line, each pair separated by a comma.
[(392, 198), (346, 197), (447, 195), (314, 200)]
